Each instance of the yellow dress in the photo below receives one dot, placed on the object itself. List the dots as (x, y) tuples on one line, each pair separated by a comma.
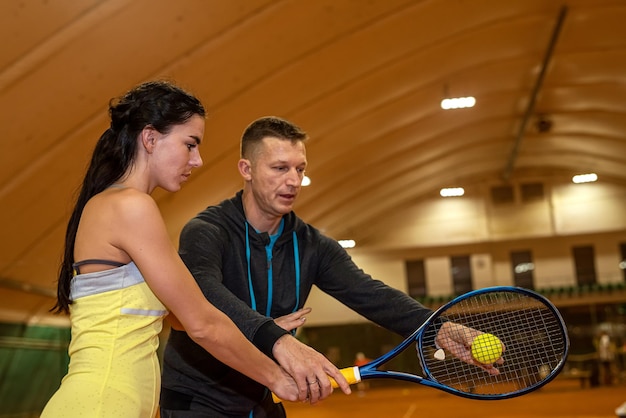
[(114, 369)]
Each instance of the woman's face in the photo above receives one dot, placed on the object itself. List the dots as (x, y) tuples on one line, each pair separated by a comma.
[(176, 154)]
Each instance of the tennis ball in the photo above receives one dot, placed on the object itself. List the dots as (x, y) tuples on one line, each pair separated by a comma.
[(486, 348)]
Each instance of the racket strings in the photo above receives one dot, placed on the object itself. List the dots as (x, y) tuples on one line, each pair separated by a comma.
[(532, 335)]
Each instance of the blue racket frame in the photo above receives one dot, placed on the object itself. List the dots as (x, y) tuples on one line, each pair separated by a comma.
[(370, 370)]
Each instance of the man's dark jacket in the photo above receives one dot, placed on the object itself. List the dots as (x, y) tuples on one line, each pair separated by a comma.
[(213, 245)]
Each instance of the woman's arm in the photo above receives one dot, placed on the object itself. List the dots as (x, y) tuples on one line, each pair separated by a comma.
[(143, 236)]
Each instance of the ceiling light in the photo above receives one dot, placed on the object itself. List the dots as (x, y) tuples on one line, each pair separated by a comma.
[(347, 243), (452, 192), (585, 178), (458, 103), (306, 181)]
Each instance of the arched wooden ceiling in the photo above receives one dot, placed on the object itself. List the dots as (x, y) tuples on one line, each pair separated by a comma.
[(364, 78)]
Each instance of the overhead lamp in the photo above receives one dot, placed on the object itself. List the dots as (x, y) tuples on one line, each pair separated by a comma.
[(306, 181), (458, 103), (585, 178), (452, 192), (347, 243)]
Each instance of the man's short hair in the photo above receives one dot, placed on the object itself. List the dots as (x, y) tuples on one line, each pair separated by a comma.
[(269, 126)]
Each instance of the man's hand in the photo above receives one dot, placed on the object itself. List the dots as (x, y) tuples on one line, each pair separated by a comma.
[(310, 369), (457, 339), (293, 320)]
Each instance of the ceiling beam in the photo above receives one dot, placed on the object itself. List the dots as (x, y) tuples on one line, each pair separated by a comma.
[(533, 97)]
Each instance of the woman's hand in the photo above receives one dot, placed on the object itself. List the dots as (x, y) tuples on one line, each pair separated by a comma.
[(285, 387)]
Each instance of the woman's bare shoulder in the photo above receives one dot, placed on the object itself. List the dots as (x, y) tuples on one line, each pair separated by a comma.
[(123, 204)]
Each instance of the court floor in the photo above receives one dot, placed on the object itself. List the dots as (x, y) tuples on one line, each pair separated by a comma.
[(558, 399)]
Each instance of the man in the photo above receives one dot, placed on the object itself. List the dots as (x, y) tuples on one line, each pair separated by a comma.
[(256, 260)]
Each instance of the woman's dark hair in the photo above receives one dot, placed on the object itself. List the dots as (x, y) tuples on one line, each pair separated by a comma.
[(158, 104)]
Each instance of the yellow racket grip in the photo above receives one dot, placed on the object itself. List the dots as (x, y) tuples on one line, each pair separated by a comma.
[(351, 374)]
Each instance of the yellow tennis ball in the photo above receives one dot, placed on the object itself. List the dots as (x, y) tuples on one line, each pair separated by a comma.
[(486, 348)]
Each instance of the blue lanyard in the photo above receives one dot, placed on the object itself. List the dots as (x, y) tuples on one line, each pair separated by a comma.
[(268, 253), (270, 279)]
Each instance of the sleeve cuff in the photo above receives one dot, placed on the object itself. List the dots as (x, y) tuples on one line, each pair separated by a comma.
[(266, 337)]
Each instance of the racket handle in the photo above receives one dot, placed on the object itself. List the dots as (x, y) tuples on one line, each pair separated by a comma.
[(351, 374)]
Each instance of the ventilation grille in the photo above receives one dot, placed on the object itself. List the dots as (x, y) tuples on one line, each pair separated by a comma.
[(502, 194), (531, 192), (524, 193)]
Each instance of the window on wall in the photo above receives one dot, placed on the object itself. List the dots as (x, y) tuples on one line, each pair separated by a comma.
[(461, 274), (523, 269), (531, 192), (416, 278), (622, 263), (502, 194), (584, 261)]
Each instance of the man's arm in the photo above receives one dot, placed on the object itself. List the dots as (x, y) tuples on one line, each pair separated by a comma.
[(201, 248), (388, 307)]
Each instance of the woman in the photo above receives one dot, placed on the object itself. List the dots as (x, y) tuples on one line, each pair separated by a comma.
[(120, 270)]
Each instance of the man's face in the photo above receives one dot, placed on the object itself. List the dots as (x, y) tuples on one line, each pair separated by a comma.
[(277, 169)]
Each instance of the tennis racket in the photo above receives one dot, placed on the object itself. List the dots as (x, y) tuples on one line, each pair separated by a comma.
[(532, 338)]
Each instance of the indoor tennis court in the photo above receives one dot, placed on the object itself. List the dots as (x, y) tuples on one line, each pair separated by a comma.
[(453, 146), (560, 398)]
